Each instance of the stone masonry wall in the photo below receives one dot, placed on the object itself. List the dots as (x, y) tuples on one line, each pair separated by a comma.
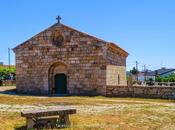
[(114, 58), (115, 75), (116, 68), (83, 55), (141, 91)]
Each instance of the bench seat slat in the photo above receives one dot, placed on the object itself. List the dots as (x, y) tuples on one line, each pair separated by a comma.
[(47, 112)]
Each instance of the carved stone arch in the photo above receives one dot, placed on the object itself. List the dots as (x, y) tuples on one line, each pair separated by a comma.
[(54, 69)]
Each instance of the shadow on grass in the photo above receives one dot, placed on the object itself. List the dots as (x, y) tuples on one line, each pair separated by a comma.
[(21, 128), (24, 128), (12, 91), (9, 91)]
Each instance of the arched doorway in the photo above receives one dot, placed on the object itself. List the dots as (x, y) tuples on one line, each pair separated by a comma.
[(58, 78), (60, 84)]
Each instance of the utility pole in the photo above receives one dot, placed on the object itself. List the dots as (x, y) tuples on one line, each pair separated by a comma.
[(144, 72), (9, 56), (137, 65), (137, 69)]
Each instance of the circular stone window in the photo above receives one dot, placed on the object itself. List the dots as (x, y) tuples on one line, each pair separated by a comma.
[(57, 39)]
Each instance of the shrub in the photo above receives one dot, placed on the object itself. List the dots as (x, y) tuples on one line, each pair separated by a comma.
[(169, 78), (7, 73)]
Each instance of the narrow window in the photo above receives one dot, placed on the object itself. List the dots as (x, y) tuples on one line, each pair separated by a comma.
[(118, 79)]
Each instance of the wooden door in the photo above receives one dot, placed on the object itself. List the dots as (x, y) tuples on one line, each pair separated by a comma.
[(60, 84)]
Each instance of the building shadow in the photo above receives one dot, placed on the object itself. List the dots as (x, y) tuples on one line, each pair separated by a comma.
[(9, 91), (13, 91)]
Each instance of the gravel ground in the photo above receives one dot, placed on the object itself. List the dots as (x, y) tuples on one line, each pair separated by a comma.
[(90, 109)]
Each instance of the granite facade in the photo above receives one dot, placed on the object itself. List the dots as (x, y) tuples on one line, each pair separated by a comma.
[(61, 49)]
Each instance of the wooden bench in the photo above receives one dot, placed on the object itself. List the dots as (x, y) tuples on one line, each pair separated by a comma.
[(49, 118)]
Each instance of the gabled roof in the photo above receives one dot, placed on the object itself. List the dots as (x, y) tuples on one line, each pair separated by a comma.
[(114, 46), (20, 45), (160, 72), (118, 49)]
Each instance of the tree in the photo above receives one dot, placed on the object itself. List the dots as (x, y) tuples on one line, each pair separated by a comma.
[(7, 73), (172, 78), (159, 79), (169, 78), (134, 72)]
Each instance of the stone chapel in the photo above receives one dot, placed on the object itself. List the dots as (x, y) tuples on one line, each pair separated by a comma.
[(63, 60)]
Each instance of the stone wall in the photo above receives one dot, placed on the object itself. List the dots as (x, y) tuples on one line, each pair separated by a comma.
[(116, 75), (141, 91), (7, 83), (116, 67), (115, 58)]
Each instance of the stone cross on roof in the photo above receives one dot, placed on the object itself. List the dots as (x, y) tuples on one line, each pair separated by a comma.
[(58, 18)]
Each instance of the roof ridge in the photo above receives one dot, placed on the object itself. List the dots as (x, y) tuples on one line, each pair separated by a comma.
[(99, 39), (109, 43), (34, 36), (71, 28)]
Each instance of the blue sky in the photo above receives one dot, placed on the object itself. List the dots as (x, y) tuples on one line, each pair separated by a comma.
[(144, 28)]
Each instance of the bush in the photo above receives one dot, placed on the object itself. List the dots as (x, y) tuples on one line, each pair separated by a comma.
[(7, 73), (170, 78)]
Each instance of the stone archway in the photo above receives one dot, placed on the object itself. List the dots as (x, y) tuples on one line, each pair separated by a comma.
[(55, 71)]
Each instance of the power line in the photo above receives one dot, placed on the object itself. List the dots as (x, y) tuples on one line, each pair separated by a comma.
[(141, 65)]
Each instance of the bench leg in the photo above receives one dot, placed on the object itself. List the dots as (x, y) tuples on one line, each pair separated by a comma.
[(46, 122), (67, 121), (30, 123), (64, 120)]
